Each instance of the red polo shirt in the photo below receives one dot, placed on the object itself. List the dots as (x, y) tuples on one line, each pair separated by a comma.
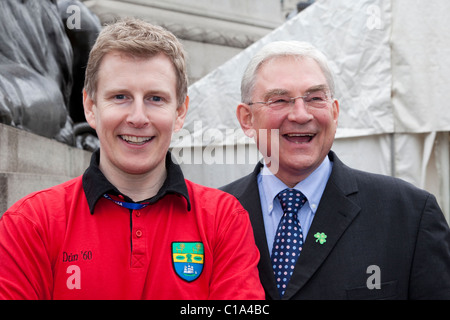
[(69, 242)]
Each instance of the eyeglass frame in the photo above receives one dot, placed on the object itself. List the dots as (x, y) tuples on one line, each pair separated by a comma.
[(327, 93)]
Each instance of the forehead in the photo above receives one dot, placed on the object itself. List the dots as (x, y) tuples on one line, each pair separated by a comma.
[(289, 73), (126, 69)]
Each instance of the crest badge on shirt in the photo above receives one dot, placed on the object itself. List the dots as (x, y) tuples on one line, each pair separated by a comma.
[(188, 258)]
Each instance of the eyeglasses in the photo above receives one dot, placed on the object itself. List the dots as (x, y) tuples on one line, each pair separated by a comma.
[(314, 99)]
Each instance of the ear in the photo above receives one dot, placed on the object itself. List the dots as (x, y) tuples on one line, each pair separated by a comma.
[(181, 115), (245, 118), (335, 111), (89, 106)]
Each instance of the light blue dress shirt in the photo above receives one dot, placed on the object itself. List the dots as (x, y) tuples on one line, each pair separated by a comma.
[(312, 187)]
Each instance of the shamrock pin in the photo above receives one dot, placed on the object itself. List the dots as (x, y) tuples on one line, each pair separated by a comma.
[(321, 237)]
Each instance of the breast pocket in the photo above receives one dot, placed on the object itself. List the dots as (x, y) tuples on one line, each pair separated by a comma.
[(387, 290)]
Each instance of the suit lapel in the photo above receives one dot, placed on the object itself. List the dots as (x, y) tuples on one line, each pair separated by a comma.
[(250, 200), (335, 213)]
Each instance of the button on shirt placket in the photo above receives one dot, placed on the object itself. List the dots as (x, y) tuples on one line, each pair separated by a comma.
[(138, 242), (138, 238)]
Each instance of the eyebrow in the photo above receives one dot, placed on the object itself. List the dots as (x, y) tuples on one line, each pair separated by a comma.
[(282, 92), (320, 87), (275, 92), (153, 92)]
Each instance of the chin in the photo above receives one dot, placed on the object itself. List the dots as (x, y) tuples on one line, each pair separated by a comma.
[(304, 165), (136, 169)]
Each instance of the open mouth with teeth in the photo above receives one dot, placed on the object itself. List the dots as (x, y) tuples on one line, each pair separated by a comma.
[(299, 137), (135, 140)]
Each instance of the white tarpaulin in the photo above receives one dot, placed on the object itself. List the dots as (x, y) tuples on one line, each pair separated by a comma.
[(392, 69)]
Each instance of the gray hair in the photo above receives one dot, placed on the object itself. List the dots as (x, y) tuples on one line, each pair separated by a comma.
[(280, 49)]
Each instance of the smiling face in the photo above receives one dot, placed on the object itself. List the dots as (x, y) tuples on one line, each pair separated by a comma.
[(135, 113), (296, 139)]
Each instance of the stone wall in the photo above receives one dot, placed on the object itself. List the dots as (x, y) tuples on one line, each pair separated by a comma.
[(212, 31), (29, 162)]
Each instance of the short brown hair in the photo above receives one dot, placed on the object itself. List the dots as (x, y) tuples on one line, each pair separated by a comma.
[(141, 39)]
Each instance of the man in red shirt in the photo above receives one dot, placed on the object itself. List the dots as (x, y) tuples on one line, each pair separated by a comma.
[(131, 227)]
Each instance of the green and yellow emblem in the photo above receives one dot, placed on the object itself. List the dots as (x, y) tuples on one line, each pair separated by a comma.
[(188, 258)]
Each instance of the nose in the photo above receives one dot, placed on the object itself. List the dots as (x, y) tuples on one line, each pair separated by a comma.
[(299, 112), (138, 115)]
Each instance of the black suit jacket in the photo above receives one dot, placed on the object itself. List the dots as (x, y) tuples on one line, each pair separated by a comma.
[(382, 233)]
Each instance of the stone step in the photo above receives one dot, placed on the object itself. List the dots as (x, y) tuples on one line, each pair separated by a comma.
[(14, 186), (25, 152), (29, 163)]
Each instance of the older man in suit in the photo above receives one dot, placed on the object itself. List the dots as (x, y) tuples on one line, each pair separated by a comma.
[(324, 230)]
